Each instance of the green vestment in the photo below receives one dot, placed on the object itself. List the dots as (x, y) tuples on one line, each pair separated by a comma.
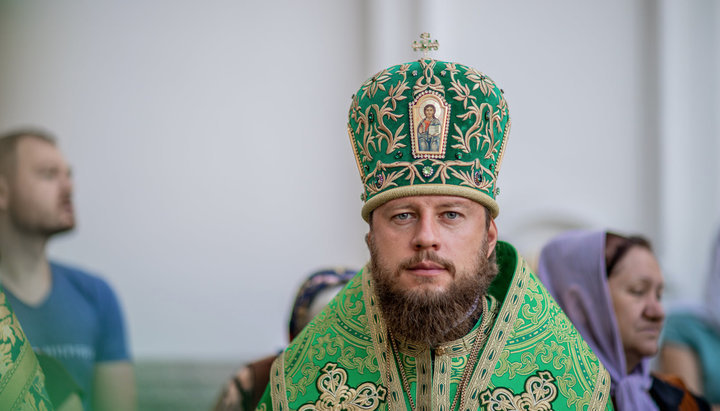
[(21, 380), (532, 358)]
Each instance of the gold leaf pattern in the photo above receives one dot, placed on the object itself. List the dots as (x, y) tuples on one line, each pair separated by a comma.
[(336, 395), (387, 180), (481, 81), (384, 134), (395, 94), (538, 396), (375, 83)]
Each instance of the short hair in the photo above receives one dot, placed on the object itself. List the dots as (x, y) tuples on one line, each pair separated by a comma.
[(9, 142), (617, 246)]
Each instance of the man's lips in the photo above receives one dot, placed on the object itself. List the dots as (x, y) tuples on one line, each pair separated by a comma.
[(427, 268)]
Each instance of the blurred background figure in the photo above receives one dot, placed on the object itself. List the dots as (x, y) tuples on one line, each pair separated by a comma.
[(691, 339), (610, 286), (67, 314), (244, 390)]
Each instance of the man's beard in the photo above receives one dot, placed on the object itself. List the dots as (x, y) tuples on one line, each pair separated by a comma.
[(33, 225), (430, 316)]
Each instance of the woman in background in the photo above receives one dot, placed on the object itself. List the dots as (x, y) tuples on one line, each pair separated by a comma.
[(246, 387), (610, 287)]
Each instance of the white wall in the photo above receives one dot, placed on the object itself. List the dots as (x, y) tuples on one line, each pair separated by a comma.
[(213, 169), (689, 132)]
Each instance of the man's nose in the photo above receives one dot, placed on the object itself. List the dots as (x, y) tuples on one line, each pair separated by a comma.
[(426, 234), (67, 183)]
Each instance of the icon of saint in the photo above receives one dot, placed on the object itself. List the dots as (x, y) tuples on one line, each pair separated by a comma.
[(428, 130)]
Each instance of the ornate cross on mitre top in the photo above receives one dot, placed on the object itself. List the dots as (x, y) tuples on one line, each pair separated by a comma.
[(425, 44)]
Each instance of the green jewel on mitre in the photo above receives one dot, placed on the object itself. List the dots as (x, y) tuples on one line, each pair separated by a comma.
[(428, 127)]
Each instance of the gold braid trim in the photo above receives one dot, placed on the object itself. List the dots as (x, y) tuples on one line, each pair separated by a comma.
[(423, 383), (278, 392), (500, 332), (601, 394), (502, 149), (378, 331)]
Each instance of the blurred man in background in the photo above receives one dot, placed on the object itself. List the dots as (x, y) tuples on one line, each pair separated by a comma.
[(67, 314)]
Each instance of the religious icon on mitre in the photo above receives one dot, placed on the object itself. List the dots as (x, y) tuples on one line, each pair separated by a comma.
[(429, 119)]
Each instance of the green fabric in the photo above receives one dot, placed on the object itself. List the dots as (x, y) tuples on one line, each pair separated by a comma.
[(457, 152), (531, 355), (21, 380)]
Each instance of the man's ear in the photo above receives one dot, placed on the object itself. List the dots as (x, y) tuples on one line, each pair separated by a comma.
[(492, 236), (4, 193)]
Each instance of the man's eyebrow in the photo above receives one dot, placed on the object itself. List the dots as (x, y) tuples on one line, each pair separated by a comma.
[(454, 204), (402, 206)]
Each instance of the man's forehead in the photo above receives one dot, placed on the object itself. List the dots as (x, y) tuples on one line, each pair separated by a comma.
[(31, 148)]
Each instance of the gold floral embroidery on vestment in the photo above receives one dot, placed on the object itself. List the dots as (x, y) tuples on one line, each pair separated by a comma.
[(336, 395), (538, 396), (546, 338)]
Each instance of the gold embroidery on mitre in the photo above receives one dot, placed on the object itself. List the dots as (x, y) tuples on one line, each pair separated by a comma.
[(355, 153), (375, 83), (539, 393), (335, 394), (428, 80), (429, 125)]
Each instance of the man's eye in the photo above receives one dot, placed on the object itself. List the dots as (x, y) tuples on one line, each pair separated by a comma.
[(48, 174), (451, 215), (402, 216)]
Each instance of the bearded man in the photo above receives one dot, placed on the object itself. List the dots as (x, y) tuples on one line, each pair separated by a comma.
[(444, 316), (67, 314)]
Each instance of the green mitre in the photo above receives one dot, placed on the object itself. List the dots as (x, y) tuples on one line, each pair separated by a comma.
[(429, 127)]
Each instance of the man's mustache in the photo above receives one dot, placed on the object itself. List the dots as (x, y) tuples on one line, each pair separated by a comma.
[(427, 255)]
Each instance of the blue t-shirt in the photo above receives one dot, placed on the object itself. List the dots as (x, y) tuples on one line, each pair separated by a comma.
[(80, 324)]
